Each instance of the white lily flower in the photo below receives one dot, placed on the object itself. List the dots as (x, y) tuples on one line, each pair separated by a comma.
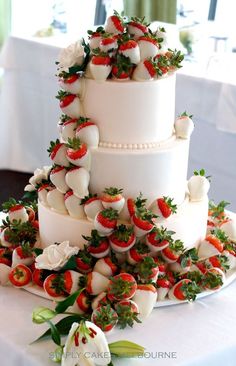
[(86, 345), (71, 55)]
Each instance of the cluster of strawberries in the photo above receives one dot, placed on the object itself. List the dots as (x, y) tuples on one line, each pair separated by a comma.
[(127, 48), (124, 269)]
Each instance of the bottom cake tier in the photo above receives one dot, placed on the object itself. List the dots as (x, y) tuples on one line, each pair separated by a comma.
[(189, 225)]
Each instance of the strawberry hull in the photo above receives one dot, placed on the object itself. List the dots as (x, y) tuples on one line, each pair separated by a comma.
[(169, 256), (103, 224), (131, 50), (99, 251), (155, 245), (20, 276)]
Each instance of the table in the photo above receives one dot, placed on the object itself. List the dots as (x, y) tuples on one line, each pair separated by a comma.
[(198, 334), (30, 86)]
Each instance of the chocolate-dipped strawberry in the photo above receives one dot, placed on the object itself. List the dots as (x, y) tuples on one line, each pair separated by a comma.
[(98, 246), (159, 238), (112, 198), (69, 104), (106, 221), (172, 253), (57, 152), (73, 205), (92, 205), (122, 239), (87, 131), (57, 177), (55, 200), (143, 221), (163, 207), (77, 153), (78, 180)]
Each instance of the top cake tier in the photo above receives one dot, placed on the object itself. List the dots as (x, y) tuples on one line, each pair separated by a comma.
[(131, 112)]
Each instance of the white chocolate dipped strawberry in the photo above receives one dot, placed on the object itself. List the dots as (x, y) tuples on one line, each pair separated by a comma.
[(71, 83), (216, 215), (98, 245), (57, 177), (92, 205), (130, 49), (121, 287), (96, 283), (95, 37), (122, 239), (105, 317), (147, 270), (230, 253), (100, 66), (128, 313), (108, 44), (106, 267), (213, 279), (229, 227), (184, 290), (68, 128), (148, 45), (185, 261), (145, 297), (73, 205), (87, 131), (5, 238), (122, 68), (112, 197), (78, 154), (106, 221), (69, 104), (136, 254), (82, 304), (198, 186), (71, 281), (137, 27), (4, 274), (161, 34), (16, 211), (172, 253), (145, 70), (115, 24), (163, 207), (213, 244), (23, 254), (55, 200), (43, 192), (99, 300), (184, 126), (163, 287), (130, 206), (57, 152), (143, 221), (159, 238), (78, 180)]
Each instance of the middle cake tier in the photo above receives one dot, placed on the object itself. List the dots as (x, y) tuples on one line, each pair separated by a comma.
[(156, 172)]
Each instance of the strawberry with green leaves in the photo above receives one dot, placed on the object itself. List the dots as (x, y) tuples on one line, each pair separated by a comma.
[(148, 45), (54, 285), (163, 207), (71, 83), (121, 286), (23, 254), (131, 205), (100, 66), (92, 204), (107, 266), (122, 68), (69, 104), (57, 177), (147, 270), (184, 126), (145, 70), (57, 153), (83, 303), (122, 239), (137, 27), (95, 37), (213, 279), (43, 193), (127, 311), (108, 44), (143, 221), (20, 276), (128, 54), (87, 131), (159, 238), (105, 318), (172, 253), (38, 276), (230, 252), (198, 186), (100, 300), (145, 297), (112, 198), (16, 210), (77, 153), (105, 221), (219, 261), (98, 246), (213, 244), (185, 261), (84, 261), (73, 205), (136, 254), (175, 58), (162, 265), (67, 127), (216, 214), (115, 24), (185, 289)]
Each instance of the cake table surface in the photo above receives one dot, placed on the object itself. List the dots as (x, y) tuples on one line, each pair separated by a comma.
[(197, 334)]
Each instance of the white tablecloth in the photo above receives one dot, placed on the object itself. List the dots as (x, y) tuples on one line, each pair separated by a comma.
[(198, 334), (29, 112)]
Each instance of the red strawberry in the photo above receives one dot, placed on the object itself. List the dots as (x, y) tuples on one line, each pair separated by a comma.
[(83, 303), (99, 300), (77, 153), (54, 285), (112, 197), (92, 205), (185, 260), (105, 318), (20, 276), (219, 261), (88, 132), (100, 66), (127, 311), (163, 207), (145, 70), (5, 256), (159, 238), (143, 221), (145, 297), (106, 267), (106, 220), (98, 245), (38, 277), (84, 261), (173, 251), (137, 253), (129, 49), (184, 290), (18, 213), (69, 104), (114, 24), (162, 265), (57, 152), (122, 239), (148, 46), (121, 286)]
